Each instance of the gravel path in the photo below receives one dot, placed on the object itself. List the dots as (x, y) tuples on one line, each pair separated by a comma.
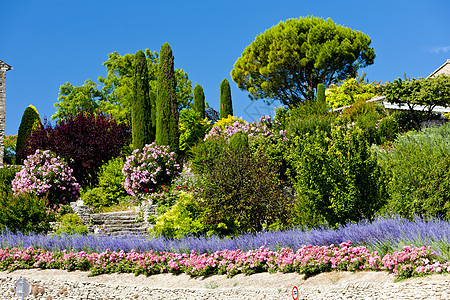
[(59, 284)]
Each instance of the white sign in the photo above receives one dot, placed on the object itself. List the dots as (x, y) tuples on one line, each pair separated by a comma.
[(22, 288)]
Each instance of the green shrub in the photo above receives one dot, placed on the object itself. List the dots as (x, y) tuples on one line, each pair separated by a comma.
[(338, 175), (416, 167), (95, 198), (308, 117), (30, 122), (407, 121), (9, 155), (184, 218), (110, 189), (203, 155), (7, 174), (24, 212), (239, 141), (434, 195), (71, 224), (193, 128), (243, 192), (388, 128)]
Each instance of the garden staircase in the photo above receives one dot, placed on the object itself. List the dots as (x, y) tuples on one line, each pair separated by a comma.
[(118, 223)]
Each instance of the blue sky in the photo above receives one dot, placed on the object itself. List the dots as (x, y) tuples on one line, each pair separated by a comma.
[(49, 43)]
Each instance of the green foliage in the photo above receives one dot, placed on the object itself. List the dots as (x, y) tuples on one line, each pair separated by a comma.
[(166, 102), (203, 155), (31, 121), (365, 115), (274, 148), (71, 224), (75, 99), (307, 118), (110, 189), (25, 212), (114, 95), (418, 179), (193, 128), (350, 91), (226, 106), (7, 174), (338, 175), (243, 193), (287, 61), (239, 141), (388, 128), (320, 92), (184, 218), (199, 101), (429, 92), (143, 130), (9, 154)]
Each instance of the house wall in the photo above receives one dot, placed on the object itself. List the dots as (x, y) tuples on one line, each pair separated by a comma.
[(443, 70)]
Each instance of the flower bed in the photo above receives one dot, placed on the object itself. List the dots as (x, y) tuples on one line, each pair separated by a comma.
[(308, 260)]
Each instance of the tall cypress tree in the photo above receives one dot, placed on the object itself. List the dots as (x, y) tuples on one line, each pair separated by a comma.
[(141, 109), (226, 107), (199, 100), (320, 93), (30, 122), (166, 101)]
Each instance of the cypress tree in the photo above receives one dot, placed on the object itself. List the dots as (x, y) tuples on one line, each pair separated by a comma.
[(199, 100), (320, 93), (30, 122), (166, 101), (141, 108), (226, 107)]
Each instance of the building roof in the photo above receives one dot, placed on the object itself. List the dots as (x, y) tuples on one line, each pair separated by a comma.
[(442, 70), (4, 65)]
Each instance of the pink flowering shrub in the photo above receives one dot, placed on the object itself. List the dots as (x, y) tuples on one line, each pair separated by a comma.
[(45, 172), (265, 127), (148, 169), (308, 260)]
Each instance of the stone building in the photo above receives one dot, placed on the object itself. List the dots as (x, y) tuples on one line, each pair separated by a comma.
[(3, 68)]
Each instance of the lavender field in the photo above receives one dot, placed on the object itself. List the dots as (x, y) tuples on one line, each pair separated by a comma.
[(384, 234)]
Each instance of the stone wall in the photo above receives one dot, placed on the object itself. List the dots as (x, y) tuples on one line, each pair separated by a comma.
[(3, 68)]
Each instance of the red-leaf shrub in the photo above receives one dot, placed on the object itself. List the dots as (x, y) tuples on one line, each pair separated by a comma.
[(86, 141)]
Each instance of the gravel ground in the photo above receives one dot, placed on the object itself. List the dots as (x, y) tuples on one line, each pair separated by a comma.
[(59, 284)]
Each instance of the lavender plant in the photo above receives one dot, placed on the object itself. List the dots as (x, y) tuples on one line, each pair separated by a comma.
[(147, 169), (45, 173)]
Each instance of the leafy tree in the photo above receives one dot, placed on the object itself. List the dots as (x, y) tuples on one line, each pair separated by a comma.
[(287, 61), (85, 141), (115, 93), (429, 92), (350, 91), (143, 130), (74, 99), (193, 128), (199, 100), (31, 121), (166, 101), (226, 106)]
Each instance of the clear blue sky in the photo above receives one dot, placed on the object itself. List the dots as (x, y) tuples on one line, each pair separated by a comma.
[(51, 42)]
